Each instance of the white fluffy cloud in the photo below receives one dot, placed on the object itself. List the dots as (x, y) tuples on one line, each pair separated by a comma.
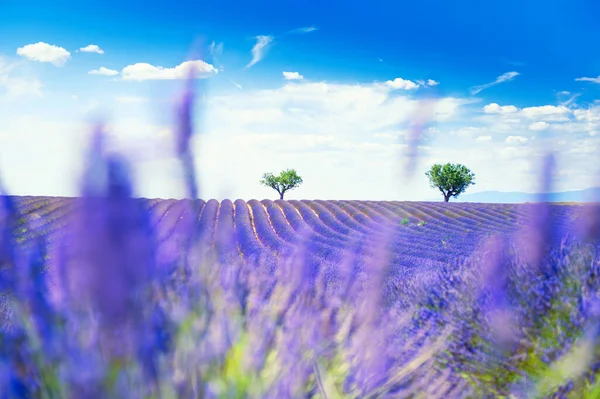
[(427, 83), (103, 71), (144, 71), (484, 138), (512, 140), (44, 52), (539, 126), (13, 87), (494, 108), (591, 115), (402, 84), (292, 76), (21, 88), (550, 113), (585, 146), (547, 112), (91, 48), (469, 131), (131, 99)]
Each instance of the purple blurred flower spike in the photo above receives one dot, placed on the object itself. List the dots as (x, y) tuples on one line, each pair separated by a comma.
[(12, 385), (536, 239), (185, 130), (185, 119), (94, 178), (155, 339), (109, 253), (592, 310), (549, 167), (7, 244), (424, 113), (587, 225), (347, 268), (118, 172), (494, 270), (495, 299), (35, 291), (542, 218)]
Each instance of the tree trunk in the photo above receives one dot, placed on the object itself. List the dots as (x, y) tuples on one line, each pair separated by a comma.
[(446, 197), (281, 196)]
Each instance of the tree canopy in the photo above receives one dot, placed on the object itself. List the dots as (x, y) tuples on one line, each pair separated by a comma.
[(451, 179), (287, 180)]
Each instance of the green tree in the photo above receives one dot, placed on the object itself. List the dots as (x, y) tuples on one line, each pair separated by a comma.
[(451, 179), (287, 180)]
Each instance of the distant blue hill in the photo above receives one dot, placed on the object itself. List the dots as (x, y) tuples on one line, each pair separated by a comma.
[(499, 197)]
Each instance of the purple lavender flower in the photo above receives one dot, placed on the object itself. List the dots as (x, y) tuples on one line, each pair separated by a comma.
[(587, 225), (494, 298), (424, 113), (184, 132), (185, 111), (535, 240), (34, 293), (8, 277), (12, 385), (108, 260)]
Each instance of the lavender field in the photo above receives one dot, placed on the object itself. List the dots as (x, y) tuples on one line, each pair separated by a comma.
[(296, 298), (422, 235)]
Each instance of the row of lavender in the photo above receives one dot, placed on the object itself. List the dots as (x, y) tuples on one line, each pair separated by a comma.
[(423, 235), (426, 231)]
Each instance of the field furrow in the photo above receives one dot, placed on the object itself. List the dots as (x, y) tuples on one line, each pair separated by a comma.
[(264, 229), (246, 236), (280, 224)]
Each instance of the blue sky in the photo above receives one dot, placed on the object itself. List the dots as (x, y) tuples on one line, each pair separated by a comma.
[(330, 89)]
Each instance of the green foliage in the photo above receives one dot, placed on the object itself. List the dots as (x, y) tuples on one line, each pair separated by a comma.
[(421, 223), (451, 179), (287, 180), (404, 222)]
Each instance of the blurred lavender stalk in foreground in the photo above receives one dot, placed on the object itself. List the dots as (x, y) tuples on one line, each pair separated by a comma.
[(535, 240), (185, 131), (192, 250), (105, 269), (425, 110), (110, 241), (7, 243), (588, 224), (494, 282)]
